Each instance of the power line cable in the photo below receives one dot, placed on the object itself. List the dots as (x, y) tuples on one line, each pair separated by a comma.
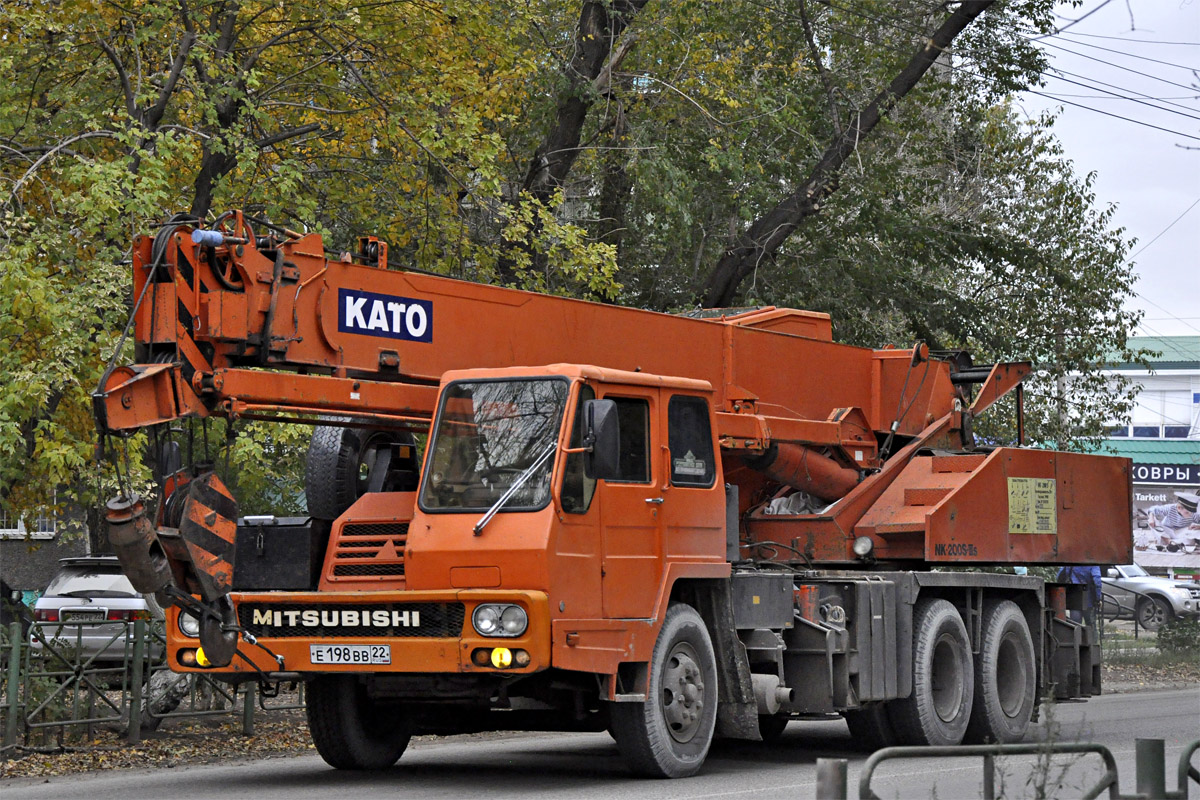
[(955, 68), (1139, 41), (1166, 310), (1164, 230), (1127, 55), (1075, 22), (1130, 99), (1121, 67)]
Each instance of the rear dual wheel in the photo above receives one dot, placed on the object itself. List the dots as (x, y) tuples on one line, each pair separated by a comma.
[(1005, 677), (939, 707)]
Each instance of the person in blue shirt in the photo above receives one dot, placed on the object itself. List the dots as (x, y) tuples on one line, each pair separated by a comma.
[(1089, 576)]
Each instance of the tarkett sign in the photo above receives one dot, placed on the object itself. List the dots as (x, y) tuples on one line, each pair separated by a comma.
[(1155, 546)]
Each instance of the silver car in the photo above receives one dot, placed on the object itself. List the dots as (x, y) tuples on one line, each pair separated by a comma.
[(87, 610), (1132, 593)]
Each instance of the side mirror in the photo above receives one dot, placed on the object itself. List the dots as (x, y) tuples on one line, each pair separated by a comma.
[(1112, 573), (602, 438)]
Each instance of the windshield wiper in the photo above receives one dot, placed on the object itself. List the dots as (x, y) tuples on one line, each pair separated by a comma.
[(516, 485)]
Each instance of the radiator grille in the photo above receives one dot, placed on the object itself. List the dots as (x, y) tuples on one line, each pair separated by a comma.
[(370, 550), (394, 570), (405, 620)]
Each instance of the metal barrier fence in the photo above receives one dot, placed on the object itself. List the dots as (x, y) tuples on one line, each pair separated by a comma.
[(1150, 780), (63, 681)]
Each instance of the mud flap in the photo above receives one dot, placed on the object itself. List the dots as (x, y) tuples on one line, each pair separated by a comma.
[(209, 530), (737, 710)]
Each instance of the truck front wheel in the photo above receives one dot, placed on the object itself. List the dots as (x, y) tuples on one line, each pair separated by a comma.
[(349, 729), (1005, 677), (937, 711), (668, 736)]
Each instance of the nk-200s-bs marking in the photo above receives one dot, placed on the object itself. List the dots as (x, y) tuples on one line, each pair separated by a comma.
[(387, 315)]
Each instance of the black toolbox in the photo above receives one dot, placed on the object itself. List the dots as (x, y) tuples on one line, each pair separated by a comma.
[(279, 553)]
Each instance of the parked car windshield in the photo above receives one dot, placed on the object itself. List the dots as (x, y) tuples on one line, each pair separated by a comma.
[(1134, 571), (89, 581), (488, 433)]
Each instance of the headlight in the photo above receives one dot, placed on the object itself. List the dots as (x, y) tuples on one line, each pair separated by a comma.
[(494, 619), (189, 626)]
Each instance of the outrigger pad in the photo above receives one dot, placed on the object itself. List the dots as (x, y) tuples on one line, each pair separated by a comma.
[(209, 528)]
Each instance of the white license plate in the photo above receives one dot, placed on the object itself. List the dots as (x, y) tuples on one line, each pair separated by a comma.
[(350, 653)]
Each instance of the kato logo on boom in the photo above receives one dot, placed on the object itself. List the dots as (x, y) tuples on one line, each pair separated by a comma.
[(390, 316)]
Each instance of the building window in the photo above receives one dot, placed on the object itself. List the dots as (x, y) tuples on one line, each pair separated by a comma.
[(1176, 431), (1146, 431), (1117, 431), (12, 527)]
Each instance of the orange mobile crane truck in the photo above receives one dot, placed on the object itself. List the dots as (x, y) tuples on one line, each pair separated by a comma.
[(671, 527)]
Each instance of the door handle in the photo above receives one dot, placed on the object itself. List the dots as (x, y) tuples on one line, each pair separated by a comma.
[(655, 500)]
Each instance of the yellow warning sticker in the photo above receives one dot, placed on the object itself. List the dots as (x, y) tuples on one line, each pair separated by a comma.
[(1032, 505)]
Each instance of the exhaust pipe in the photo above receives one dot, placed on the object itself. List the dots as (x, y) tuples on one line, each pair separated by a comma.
[(769, 694)]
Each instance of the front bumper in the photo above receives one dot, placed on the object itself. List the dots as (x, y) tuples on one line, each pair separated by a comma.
[(423, 631)]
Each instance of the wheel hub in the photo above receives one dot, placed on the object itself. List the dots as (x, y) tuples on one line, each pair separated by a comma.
[(682, 692)]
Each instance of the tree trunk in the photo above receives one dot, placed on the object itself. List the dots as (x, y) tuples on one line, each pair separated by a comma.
[(767, 234), (600, 25)]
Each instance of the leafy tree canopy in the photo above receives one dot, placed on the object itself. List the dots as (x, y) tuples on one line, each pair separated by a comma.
[(620, 150)]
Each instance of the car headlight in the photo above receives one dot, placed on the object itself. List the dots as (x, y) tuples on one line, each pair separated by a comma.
[(496, 619), (189, 626)]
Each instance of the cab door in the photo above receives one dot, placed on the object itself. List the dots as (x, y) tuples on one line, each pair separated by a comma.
[(630, 510)]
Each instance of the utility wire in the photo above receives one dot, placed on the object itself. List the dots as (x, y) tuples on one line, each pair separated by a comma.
[(1122, 67), (1139, 41), (955, 68), (1120, 96), (1126, 54), (1164, 230)]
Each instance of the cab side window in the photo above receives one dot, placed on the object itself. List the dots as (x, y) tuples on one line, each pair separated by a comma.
[(577, 488), (634, 418), (689, 436)]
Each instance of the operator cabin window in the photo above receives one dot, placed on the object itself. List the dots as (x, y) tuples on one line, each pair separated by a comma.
[(634, 418), (690, 439)]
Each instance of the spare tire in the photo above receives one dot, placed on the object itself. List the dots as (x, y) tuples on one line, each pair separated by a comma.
[(339, 463)]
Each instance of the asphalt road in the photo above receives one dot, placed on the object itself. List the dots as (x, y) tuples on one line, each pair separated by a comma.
[(587, 766)]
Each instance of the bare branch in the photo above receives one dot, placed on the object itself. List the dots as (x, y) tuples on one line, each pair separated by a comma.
[(154, 115), (130, 100), (284, 135), (250, 60), (821, 71), (52, 151)]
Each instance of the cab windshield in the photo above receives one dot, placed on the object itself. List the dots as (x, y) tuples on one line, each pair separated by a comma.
[(488, 433)]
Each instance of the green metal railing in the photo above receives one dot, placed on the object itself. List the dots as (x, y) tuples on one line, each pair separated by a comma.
[(51, 691), (1150, 768)]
